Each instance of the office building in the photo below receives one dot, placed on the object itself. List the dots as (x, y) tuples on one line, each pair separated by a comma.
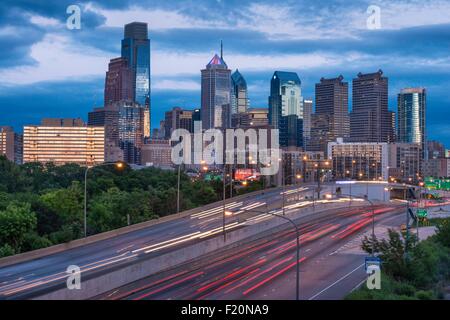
[(285, 97), (11, 144), (136, 51), (254, 117), (307, 113), (239, 94), (359, 160), (291, 131), (370, 120), (405, 160), (216, 94), (131, 130), (157, 153), (332, 100), (118, 82), (412, 117), (177, 118), (435, 150), (436, 168), (69, 142)]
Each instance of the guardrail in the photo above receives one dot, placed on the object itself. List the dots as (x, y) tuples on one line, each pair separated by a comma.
[(35, 254)]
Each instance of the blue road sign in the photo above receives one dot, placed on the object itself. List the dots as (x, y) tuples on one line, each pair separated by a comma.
[(372, 261)]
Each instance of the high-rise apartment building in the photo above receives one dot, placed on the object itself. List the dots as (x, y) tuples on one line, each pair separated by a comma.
[(239, 94), (11, 144), (411, 117), (370, 120), (63, 141), (216, 94)]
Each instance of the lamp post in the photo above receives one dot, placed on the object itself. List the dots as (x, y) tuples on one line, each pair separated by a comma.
[(118, 165), (178, 189), (284, 188), (297, 234), (366, 198)]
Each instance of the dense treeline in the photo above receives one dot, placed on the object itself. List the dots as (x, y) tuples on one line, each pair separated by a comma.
[(42, 205)]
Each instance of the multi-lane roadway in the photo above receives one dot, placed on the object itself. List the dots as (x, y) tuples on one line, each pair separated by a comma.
[(27, 279), (265, 268)]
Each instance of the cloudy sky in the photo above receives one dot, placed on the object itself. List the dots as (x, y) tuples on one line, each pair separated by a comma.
[(47, 70)]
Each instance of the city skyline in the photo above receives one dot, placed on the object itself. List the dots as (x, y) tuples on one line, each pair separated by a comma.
[(36, 85)]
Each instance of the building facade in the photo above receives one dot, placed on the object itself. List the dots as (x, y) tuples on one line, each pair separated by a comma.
[(216, 94), (405, 162), (370, 120), (411, 117), (359, 160), (11, 144), (307, 113), (178, 118), (239, 94), (332, 100), (118, 82), (285, 97), (64, 144), (157, 153), (136, 51)]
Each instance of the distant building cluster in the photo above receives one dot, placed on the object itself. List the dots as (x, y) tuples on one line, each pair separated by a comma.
[(370, 142)]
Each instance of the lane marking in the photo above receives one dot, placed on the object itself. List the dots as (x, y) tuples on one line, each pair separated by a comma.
[(336, 282)]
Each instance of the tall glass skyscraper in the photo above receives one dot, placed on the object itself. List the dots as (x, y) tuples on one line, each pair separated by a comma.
[(216, 92), (136, 50), (285, 97), (239, 95), (412, 116), (286, 108)]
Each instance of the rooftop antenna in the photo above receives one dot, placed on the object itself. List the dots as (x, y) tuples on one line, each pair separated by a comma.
[(221, 49)]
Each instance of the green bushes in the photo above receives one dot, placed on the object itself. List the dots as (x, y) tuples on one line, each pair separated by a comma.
[(42, 205), (416, 273)]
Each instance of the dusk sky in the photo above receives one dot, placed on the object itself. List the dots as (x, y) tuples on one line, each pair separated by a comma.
[(47, 70)]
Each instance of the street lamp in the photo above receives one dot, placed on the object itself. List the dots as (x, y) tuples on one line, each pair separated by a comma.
[(297, 234), (373, 217), (284, 187), (119, 165)]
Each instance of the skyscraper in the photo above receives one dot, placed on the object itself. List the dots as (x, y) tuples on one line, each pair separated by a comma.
[(239, 95), (136, 51), (118, 82), (216, 91), (307, 112), (286, 108), (411, 117), (332, 100), (370, 120)]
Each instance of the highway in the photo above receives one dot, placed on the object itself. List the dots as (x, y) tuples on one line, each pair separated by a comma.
[(23, 280), (330, 262)]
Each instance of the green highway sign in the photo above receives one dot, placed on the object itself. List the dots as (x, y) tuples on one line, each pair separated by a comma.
[(422, 213)]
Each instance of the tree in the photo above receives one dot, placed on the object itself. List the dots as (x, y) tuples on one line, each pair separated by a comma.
[(15, 221)]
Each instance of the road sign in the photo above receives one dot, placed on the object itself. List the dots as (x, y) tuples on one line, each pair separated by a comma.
[(422, 213), (372, 261)]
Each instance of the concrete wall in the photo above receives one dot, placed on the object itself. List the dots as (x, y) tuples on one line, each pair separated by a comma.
[(143, 268), (31, 255)]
